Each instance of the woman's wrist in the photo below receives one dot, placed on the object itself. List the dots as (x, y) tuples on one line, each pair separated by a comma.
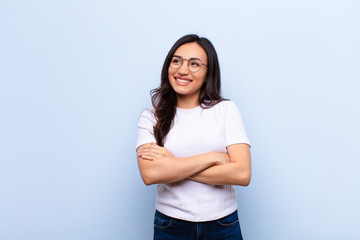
[(220, 158)]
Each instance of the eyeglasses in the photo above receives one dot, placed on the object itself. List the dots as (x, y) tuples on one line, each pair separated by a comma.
[(194, 64)]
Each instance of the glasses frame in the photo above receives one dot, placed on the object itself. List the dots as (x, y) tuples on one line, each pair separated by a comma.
[(182, 61)]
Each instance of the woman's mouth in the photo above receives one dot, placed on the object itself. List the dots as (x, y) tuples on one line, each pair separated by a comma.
[(182, 81)]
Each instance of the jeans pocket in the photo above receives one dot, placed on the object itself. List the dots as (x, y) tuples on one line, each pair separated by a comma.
[(229, 220), (161, 220)]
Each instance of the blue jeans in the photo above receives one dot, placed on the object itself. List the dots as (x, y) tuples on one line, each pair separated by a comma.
[(168, 228)]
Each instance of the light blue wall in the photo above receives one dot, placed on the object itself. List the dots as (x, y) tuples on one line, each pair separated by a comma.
[(75, 75)]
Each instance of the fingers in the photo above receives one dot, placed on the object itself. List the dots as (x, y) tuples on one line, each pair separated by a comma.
[(152, 151), (150, 156), (148, 146), (225, 157), (148, 153), (144, 146)]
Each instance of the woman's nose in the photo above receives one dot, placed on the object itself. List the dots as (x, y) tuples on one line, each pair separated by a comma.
[(184, 68)]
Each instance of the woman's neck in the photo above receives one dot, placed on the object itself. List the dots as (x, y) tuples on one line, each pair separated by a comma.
[(187, 102)]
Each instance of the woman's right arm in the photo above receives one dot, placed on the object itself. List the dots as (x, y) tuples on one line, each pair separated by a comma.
[(157, 165)]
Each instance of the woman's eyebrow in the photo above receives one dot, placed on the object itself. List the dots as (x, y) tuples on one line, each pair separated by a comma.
[(189, 58)]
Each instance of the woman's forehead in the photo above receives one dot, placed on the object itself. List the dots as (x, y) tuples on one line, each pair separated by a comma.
[(191, 50)]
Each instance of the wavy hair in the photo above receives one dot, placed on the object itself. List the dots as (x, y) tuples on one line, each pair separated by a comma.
[(164, 98)]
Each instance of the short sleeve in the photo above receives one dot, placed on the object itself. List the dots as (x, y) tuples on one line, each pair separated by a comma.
[(146, 128), (234, 125)]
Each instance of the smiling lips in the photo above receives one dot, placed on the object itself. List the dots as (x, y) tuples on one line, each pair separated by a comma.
[(182, 81)]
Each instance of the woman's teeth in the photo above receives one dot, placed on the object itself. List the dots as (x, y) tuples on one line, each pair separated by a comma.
[(183, 81)]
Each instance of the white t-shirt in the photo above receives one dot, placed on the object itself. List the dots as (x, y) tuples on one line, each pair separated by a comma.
[(196, 131)]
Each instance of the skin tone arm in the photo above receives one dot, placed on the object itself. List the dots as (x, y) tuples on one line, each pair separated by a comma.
[(157, 164), (236, 172)]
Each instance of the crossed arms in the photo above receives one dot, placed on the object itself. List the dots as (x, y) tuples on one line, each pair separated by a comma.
[(158, 165)]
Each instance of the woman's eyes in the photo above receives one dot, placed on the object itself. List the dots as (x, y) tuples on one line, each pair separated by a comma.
[(195, 64), (192, 62)]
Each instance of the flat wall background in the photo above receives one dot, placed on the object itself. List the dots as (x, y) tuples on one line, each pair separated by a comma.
[(75, 75)]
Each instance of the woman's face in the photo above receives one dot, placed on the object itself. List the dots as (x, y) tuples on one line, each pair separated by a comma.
[(184, 82)]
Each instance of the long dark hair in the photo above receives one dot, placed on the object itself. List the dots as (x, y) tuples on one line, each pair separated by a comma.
[(164, 97)]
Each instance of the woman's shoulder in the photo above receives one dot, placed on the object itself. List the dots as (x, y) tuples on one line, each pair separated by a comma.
[(225, 108), (147, 113), (224, 104)]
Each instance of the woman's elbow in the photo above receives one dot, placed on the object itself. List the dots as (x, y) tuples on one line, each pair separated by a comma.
[(244, 179), (147, 172), (148, 179), (147, 182)]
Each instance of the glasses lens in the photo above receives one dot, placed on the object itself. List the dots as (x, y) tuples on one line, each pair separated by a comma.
[(194, 65), (176, 62)]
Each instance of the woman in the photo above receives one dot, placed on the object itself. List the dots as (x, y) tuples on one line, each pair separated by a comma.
[(193, 144)]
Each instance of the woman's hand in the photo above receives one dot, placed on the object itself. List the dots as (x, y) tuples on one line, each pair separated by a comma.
[(152, 151), (157, 164), (222, 158)]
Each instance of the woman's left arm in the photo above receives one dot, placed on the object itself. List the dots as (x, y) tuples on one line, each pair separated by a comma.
[(235, 172)]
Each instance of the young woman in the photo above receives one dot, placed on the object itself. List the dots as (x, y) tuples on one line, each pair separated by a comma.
[(193, 144)]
